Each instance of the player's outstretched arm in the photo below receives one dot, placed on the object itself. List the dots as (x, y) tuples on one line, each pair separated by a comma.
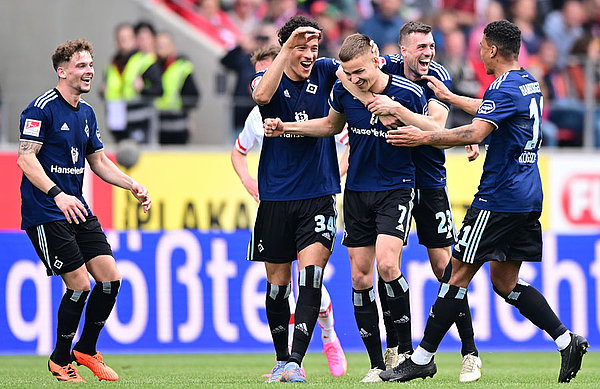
[(411, 136), (109, 172), (467, 104), (330, 125), (267, 86), (240, 165), (71, 206)]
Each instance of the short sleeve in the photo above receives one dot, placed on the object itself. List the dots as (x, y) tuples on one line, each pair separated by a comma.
[(342, 137), (95, 140), (391, 64), (33, 125), (256, 80), (334, 97), (439, 72), (252, 133), (497, 105)]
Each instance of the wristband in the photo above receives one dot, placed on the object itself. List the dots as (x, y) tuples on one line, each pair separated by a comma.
[(54, 191)]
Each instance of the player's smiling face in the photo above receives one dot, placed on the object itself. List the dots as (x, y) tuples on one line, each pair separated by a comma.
[(78, 73), (302, 60), (418, 50), (361, 71)]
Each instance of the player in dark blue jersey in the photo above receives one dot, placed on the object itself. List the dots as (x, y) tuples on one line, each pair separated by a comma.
[(502, 225), (298, 179), (58, 133), (432, 211), (379, 190)]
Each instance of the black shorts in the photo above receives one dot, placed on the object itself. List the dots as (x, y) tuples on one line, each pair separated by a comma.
[(368, 214), (433, 217), (283, 228), (499, 236), (64, 247)]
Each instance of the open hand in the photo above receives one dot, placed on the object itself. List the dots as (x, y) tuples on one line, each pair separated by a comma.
[(439, 88), (408, 136)]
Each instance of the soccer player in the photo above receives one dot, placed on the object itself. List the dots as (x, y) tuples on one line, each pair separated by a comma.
[(250, 137), (298, 179), (379, 192), (58, 133), (432, 211), (502, 225)]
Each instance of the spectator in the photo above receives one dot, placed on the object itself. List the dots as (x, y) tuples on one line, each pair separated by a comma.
[(443, 23), (464, 80), (384, 25), (131, 81), (524, 15), (494, 11), (224, 28), (243, 15), (180, 93), (465, 11), (280, 11), (327, 16), (563, 111), (564, 28), (238, 61)]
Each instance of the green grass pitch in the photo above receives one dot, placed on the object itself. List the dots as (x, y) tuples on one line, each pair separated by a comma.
[(500, 370)]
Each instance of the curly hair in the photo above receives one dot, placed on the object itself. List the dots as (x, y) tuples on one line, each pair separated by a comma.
[(65, 52), (506, 36), (295, 22)]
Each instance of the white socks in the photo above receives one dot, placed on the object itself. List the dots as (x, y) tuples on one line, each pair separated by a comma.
[(563, 341), (421, 356)]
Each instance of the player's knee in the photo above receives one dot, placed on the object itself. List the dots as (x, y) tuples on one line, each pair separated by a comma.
[(388, 270), (362, 280)]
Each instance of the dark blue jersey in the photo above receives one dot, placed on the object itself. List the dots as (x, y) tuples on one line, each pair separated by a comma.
[(429, 161), (374, 164), (67, 134), (511, 180), (293, 167)]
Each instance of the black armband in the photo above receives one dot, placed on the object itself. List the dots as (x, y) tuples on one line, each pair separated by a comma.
[(54, 191)]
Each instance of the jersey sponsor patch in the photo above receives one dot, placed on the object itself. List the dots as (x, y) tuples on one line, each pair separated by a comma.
[(32, 127), (487, 106)]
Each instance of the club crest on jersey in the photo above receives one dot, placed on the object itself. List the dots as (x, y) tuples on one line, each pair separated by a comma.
[(301, 116), (32, 127), (86, 129), (487, 106), (312, 88), (74, 154)]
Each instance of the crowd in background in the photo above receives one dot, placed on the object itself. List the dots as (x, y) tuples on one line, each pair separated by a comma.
[(557, 38)]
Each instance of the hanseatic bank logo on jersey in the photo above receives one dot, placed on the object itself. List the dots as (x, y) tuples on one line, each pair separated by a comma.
[(74, 154), (487, 106)]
